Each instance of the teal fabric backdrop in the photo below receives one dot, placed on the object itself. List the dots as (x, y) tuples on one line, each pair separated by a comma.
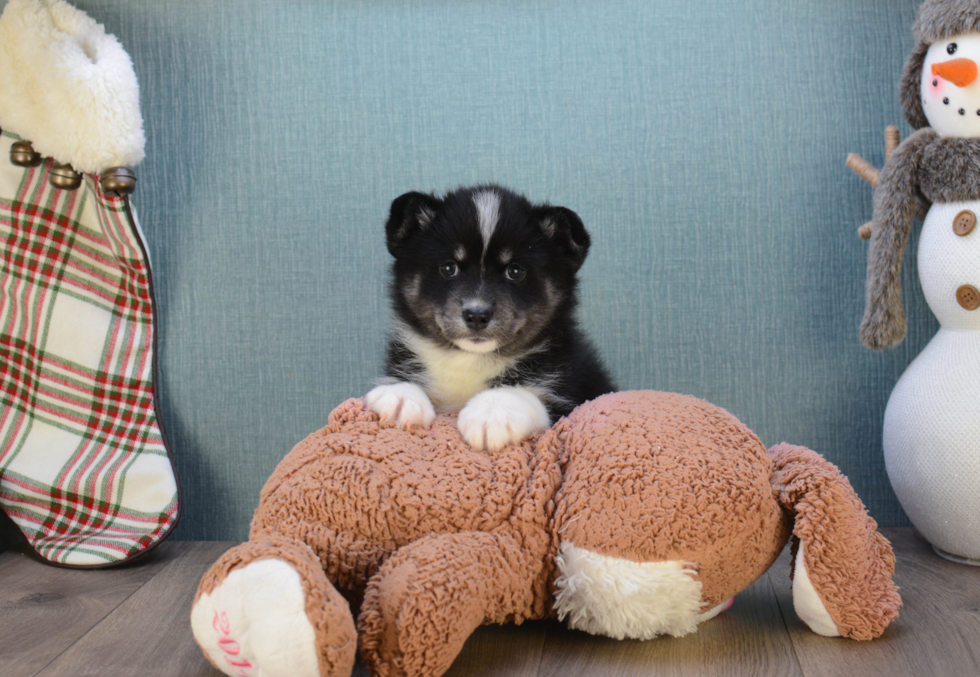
[(702, 143)]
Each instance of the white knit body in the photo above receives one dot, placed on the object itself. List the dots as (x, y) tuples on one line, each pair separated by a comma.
[(932, 422)]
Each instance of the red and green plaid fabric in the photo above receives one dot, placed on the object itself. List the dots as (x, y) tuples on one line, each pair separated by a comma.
[(84, 470)]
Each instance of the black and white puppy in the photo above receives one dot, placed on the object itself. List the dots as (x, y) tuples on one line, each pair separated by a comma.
[(483, 292)]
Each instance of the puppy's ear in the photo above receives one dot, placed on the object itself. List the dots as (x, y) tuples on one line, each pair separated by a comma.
[(563, 227), (410, 213)]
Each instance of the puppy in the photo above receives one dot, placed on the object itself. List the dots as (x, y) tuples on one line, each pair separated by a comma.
[(483, 294)]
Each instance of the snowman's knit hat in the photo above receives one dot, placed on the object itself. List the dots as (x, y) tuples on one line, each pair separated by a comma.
[(938, 20)]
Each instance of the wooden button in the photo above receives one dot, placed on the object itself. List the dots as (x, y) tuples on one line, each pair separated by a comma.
[(968, 297), (964, 222)]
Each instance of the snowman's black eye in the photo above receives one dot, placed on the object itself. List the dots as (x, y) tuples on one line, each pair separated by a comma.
[(951, 48)]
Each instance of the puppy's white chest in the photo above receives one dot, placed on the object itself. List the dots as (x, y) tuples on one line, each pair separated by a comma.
[(452, 377)]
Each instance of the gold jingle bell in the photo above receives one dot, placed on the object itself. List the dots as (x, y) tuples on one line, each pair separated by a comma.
[(64, 176), (22, 154), (118, 181)]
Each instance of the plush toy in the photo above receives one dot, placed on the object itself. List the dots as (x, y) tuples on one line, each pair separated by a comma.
[(640, 514), (932, 421)]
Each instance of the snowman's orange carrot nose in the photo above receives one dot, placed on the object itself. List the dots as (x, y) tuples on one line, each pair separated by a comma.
[(960, 72)]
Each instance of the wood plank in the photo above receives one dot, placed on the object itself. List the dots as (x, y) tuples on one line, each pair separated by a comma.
[(495, 651), (150, 633), (502, 651), (936, 633), (44, 609), (134, 620), (749, 639)]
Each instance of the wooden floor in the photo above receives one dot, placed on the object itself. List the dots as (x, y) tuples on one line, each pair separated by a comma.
[(134, 621)]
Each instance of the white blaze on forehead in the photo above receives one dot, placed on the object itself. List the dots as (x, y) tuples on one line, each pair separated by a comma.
[(460, 253), (488, 212)]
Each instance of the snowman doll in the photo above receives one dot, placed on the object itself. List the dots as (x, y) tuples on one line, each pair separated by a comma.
[(931, 434)]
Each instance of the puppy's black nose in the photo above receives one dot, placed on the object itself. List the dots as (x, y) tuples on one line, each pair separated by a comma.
[(477, 318)]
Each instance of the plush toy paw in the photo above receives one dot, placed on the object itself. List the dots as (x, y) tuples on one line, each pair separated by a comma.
[(254, 623), (619, 598), (842, 576), (807, 603), (500, 416), (404, 404)]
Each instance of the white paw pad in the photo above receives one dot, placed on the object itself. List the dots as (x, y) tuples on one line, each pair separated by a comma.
[(254, 624), (619, 598), (807, 603), (500, 416), (404, 404)]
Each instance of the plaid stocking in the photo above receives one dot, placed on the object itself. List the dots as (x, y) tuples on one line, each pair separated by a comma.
[(84, 470)]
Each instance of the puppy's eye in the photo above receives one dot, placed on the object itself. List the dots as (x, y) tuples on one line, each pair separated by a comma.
[(951, 48), (449, 269), (514, 273)]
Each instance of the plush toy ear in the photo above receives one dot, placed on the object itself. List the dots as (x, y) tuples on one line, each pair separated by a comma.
[(563, 227), (410, 213), (842, 571)]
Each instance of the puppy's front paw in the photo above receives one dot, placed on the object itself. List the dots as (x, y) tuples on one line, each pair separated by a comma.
[(403, 403), (500, 416)]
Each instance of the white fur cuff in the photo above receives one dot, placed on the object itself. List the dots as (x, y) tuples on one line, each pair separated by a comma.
[(68, 87)]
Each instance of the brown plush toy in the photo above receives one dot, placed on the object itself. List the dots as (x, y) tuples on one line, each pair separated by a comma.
[(642, 513)]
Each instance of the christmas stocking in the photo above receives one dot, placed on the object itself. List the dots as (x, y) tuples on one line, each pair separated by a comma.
[(85, 473)]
